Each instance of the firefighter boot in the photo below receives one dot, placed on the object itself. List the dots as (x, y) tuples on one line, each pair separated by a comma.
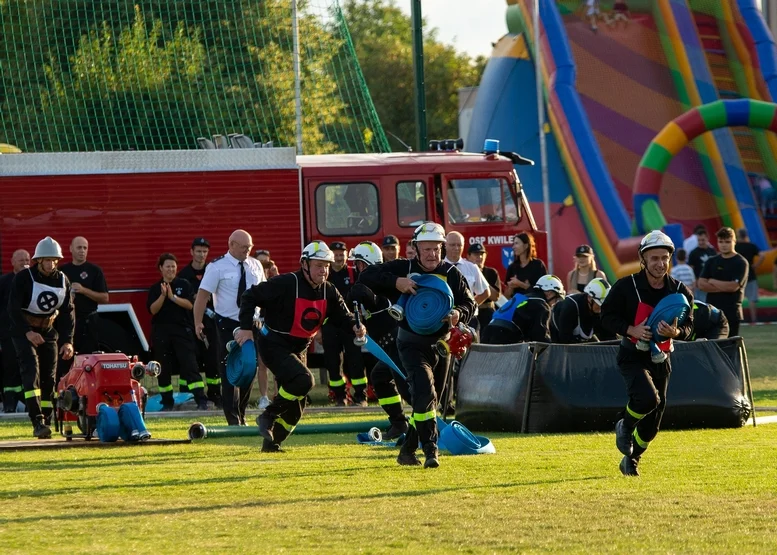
[(432, 456), (407, 456), (9, 401), (628, 465), (266, 422), (40, 430), (396, 429), (270, 447), (624, 438), (360, 395)]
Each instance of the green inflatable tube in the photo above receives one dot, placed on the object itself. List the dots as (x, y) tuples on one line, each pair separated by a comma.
[(200, 431)]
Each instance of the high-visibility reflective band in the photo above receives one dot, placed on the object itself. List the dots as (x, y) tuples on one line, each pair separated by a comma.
[(424, 416), (46, 405), (181, 382), (337, 383), (390, 400), (196, 385), (32, 393), (282, 422), (411, 421), (286, 395), (17, 389), (165, 388), (636, 415), (639, 440), (213, 381), (359, 381)]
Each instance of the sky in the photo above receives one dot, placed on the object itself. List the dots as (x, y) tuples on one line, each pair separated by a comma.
[(471, 25)]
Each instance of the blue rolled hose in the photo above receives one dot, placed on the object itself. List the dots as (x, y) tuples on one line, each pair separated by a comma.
[(432, 302), (241, 364)]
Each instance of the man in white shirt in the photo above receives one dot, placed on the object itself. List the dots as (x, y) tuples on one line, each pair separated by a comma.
[(454, 247), (692, 242), (226, 279)]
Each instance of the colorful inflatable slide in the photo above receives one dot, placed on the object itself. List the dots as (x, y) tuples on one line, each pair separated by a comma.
[(608, 93)]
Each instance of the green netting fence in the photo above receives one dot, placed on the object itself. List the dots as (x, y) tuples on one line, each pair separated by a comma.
[(90, 75)]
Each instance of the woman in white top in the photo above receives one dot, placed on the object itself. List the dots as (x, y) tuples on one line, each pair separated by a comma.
[(585, 269)]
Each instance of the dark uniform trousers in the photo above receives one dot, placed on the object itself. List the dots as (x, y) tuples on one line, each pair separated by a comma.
[(336, 340), (38, 366), (208, 360), (174, 350), (646, 384), (235, 400), (500, 333), (419, 358), (390, 389), (13, 392), (294, 383)]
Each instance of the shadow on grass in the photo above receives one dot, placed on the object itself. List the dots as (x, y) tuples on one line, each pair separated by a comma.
[(306, 499)]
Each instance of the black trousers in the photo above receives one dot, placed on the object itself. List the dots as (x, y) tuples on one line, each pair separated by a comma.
[(38, 367), (174, 348), (419, 358), (294, 381), (646, 384), (208, 360), (341, 353), (499, 335), (235, 399), (13, 392), (390, 389)]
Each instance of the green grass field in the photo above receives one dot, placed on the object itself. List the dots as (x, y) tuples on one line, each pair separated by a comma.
[(700, 491)]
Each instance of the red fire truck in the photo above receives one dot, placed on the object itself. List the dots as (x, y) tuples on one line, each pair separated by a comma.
[(133, 206)]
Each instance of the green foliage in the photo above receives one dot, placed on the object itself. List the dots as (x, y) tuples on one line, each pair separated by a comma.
[(382, 36), (114, 75)]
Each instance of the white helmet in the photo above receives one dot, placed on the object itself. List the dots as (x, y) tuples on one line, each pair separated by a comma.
[(47, 248), (550, 283), (597, 289), (368, 252), (317, 250), (429, 231), (656, 240)]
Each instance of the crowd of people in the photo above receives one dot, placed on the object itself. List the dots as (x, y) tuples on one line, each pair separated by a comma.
[(198, 309)]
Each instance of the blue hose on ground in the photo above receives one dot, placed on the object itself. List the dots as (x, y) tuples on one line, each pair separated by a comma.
[(377, 351)]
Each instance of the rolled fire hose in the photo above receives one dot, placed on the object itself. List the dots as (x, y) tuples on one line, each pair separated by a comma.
[(426, 310), (200, 431)]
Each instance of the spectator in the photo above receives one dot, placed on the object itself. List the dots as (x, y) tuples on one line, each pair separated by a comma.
[(226, 279), (270, 269), (477, 255), (172, 337), (526, 268), (585, 269), (262, 255), (698, 257), (724, 277), (692, 241), (207, 352), (390, 248), (592, 13), (682, 271), (620, 12), (754, 257), (87, 283), (454, 247), (766, 194), (13, 392), (410, 250)]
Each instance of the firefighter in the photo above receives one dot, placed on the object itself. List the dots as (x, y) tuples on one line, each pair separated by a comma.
[(338, 343), (207, 352), (172, 334), (390, 389), (576, 318), (42, 317), (709, 322), (525, 317), (13, 392), (416, 351), (625, 311), (295, 306)]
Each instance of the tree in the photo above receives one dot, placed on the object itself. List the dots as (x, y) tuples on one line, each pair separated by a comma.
[(382, 36)]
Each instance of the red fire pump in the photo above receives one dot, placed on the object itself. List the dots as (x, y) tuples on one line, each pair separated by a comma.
[(94, 379), (460, 339)]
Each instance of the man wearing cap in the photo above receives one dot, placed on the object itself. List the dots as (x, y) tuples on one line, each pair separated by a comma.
[(89, 288), (337, 340), (262, 255), (476, 253), (42, 317), (13, 392), (454, 247), (390, 248), (226, 279), (207, 351)]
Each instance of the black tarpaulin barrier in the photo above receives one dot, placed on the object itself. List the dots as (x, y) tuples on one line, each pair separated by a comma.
[(578, 388)]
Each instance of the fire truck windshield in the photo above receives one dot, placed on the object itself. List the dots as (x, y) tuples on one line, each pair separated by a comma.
[(480, 200)]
